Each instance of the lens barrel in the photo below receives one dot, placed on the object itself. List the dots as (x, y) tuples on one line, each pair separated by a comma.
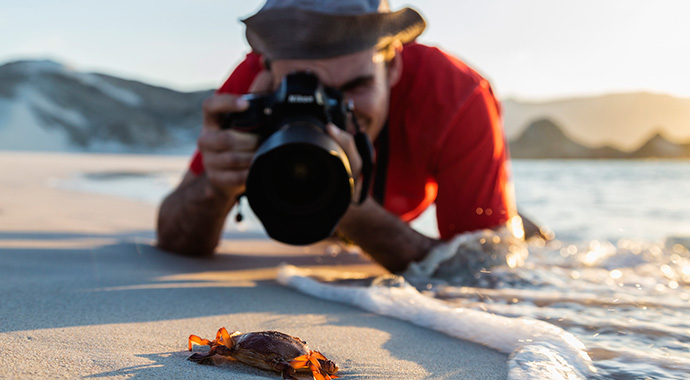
[(300, 183)]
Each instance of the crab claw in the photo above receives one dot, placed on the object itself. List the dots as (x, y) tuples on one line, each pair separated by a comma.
[(311, 360), (193, 339), (327, 365)]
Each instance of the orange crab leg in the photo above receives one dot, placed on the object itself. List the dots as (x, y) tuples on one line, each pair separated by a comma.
[(311, 360), (223, 337), (193, 339), (320, 374), (318, 355), (299, 362)]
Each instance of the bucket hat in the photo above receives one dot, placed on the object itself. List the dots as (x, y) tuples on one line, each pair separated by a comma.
[(315, 29)]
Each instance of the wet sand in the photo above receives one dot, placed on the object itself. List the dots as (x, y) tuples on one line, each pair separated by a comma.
[(85, 294)]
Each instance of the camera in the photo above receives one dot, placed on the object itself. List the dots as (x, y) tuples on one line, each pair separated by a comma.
[(300, 181)]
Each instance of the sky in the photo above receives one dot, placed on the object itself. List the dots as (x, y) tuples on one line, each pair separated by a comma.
[(528, 49)]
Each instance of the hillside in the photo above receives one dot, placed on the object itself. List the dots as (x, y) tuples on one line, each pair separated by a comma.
[(660, 147), (624, 121), (46, 106), (544, 139)]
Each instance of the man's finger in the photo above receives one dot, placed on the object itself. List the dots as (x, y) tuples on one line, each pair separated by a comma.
[(216, 105), (228, 179), (219, 141), (225, 103), (229, 160), (347, 142)]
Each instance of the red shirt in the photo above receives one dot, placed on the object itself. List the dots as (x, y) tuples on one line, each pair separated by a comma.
[(446, 142)]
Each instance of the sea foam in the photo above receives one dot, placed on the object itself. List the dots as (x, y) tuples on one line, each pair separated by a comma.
[(537, 349)]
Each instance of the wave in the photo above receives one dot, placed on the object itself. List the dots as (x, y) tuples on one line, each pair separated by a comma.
[(537, 349)]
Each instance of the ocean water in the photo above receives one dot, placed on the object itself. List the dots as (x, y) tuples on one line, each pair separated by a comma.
[(618, 274), (608, 298)]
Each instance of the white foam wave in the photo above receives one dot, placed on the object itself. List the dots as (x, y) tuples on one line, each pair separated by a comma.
[(538, 349), (662, 360), (540, 361), (549, 297), (469, 253)]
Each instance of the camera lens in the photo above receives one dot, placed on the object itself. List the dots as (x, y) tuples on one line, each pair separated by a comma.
[(300, 179), (300, 184)]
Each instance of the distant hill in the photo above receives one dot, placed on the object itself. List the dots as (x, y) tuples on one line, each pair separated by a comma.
[(46, 106), (624, 121), (543, 139), (659, 147)]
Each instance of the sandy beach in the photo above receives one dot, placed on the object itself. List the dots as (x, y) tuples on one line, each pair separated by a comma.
[(85, 294)]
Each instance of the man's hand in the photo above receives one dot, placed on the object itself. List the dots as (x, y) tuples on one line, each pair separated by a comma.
[(347, 142), (388, 240), (228, 153), (191, 218)]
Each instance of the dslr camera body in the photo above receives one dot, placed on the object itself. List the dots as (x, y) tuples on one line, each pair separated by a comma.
[(300, 181)]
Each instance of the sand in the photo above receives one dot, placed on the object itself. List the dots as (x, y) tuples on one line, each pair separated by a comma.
[(85, 294)]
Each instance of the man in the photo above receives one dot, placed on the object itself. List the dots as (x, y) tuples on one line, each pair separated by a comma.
[(435, 123)]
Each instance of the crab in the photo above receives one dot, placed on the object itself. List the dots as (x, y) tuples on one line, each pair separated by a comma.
[(271, 350)]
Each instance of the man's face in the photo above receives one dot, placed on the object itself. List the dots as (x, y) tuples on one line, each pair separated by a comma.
[(362, 77)]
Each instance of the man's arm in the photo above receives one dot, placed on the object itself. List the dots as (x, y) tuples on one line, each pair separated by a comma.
[(386, 238), (191, 218), (389, 240)]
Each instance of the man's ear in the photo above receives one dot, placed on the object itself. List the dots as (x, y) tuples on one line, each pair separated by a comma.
[(395, 67)]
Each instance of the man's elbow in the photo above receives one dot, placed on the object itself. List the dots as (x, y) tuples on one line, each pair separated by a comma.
[(175, 241)]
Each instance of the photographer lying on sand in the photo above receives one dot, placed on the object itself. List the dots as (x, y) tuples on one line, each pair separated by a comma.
[(435, 124)]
